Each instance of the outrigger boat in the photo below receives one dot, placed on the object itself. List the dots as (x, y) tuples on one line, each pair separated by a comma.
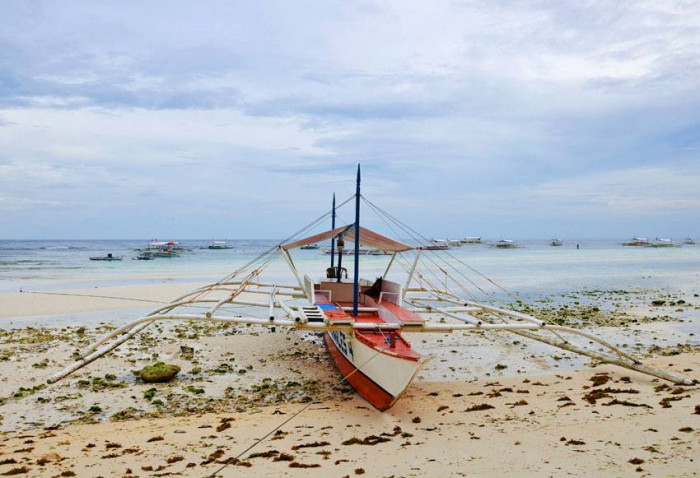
[(363, 321), (108, 257), (472, 240), (637, 242), (219, 245), (364, 251), (163, 249), (663, 243), (505, 244)]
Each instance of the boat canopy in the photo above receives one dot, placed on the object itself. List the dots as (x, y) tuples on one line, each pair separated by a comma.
[(367, 238)]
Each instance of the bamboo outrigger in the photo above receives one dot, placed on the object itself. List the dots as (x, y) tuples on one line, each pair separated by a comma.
[(363, 321)]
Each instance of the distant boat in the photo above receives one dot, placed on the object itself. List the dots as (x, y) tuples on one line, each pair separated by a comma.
[(556, 242), (663, 243), (219, 245), (437, 245), (637, 242), (163, 249), (108, 257), (309, 247), (472, 240), (505, 244), (363, 252), (689, 241), (145, 256), (452, 243)]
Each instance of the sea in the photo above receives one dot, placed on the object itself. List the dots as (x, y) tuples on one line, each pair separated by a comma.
[(535, 269)]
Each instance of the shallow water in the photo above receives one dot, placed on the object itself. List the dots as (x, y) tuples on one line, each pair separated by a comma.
[(533, 270)]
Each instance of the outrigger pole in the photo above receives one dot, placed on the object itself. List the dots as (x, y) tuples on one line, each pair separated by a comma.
[(356, 279)]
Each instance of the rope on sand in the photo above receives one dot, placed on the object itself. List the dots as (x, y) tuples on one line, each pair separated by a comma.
[(231, 461)]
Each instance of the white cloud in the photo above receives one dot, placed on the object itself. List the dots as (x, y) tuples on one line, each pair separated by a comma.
[(243, 110)]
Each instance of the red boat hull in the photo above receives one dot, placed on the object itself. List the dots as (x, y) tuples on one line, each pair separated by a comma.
[(363, 385)]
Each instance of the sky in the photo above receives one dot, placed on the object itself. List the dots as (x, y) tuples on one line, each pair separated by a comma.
[(239, 119)]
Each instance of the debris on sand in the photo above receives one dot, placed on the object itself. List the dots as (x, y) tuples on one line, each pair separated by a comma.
[(296, 464), (599, 379), (666, 402), (224, 425), (310, 445), (477, 408), (17, 471), (627, 404), (48, 458), (284, 457), (600, 393), (368, 440), (264, 454)]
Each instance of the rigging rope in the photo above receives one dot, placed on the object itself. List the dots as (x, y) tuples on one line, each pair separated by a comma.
[(92, 295), (447, 252), (408, 230)]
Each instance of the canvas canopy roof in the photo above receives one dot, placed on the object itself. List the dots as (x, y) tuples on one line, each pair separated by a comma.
[(367, 238)]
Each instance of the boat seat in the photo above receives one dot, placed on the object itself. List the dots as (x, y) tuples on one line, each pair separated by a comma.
[(393, 314)]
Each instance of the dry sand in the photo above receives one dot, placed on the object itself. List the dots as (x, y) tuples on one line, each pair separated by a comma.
[(17, 305), (544, 420)]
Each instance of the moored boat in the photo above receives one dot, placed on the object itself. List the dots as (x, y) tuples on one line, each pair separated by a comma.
[(505, 244), (556, 242), (108, 257), (437, 245), (163, 249), (472, 240), (219, 245), (637, 242), (663, 243), (364, 251)]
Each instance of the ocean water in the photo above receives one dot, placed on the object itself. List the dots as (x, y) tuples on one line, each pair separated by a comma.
[(533, 270)]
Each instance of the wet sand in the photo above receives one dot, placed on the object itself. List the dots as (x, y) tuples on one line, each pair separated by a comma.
[(238, 383)]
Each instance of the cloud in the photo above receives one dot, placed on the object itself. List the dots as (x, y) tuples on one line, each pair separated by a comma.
[(237, 111)]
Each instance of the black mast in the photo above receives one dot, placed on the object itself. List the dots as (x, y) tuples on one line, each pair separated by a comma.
[(356, 285), (333, 240)]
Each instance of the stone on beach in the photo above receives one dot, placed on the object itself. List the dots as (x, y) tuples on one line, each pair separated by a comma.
[(160, 372)]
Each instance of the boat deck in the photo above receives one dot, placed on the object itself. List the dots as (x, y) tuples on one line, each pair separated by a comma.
[(386, 341)]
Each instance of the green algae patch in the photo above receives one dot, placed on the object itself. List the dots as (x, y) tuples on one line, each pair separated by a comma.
[(160, 372)]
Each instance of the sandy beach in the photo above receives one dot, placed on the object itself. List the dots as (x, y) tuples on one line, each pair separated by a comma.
[(549, 425), (485, 405)]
